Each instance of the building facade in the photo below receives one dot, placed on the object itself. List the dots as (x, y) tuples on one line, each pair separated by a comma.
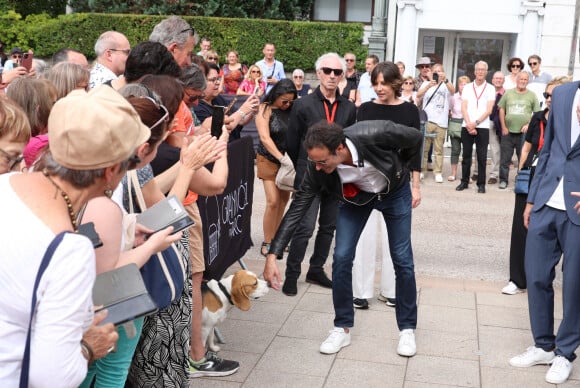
[(459, 33)]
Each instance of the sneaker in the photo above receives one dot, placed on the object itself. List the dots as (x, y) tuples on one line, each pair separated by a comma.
[(532, 356), (502, 185), (213, 366), (336, 340), (559, 371), (362, 304), (407, 346), (391, 302), (421, 176), (439, 178), (511, 289)]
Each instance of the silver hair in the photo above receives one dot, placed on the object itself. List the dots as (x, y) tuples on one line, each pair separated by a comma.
[(326, 56), (298, 72), (173, 30), (192, 77), (107, 40), (481, 63), (41, 68)]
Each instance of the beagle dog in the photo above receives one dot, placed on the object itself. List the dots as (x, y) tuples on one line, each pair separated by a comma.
[(237, 290)]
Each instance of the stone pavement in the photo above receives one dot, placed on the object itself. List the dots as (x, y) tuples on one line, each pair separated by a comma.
[(467, 330)]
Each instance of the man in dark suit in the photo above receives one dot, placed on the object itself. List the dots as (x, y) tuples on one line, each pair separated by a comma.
[(554, 230)]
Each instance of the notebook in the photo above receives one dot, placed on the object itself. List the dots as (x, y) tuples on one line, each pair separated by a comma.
[(168, 212), (123, 293)]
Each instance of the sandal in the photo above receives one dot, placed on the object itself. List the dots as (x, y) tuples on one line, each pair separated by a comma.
[(264, 252), (451, 178)]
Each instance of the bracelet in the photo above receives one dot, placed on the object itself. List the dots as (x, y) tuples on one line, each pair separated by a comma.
[(87, 352), (241, 112)]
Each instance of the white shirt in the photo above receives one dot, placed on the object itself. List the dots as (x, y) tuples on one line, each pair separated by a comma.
[(557, 199), (365, 88), (100, 74), (366, 178), (477, 98), (64, 304), (438, 108)]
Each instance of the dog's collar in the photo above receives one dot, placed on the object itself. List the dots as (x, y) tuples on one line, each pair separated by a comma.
[(225, 291)]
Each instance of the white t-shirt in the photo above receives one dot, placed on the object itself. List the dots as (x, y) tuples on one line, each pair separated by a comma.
[(438, 108), (64, 298), (477, 98), (365, 88)]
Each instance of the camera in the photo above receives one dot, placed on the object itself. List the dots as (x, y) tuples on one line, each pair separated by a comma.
[(436, 77)]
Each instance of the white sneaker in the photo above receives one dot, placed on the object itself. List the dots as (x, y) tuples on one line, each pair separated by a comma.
[(439, 178), (532, 356), (511, 289), (336, 340), (559, 371), (421, 176), (407, 346)]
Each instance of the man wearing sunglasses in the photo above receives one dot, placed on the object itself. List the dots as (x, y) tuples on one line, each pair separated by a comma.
[(538, 78), (325, 103), (424, 67)]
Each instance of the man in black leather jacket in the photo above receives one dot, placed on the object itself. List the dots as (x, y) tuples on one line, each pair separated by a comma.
[(364, 167)]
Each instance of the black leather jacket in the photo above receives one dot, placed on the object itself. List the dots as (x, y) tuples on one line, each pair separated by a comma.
[(384, 144)]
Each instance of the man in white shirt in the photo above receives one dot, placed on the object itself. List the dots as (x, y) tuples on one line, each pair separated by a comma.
[(112, 49), (365, 91), (272, 69), (478, 98)]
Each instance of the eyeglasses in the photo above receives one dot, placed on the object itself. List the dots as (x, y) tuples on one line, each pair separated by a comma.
[(349, 60), (188, 29), (214, 79), (480, 69), (161, 108), (132, 162), (212, 58), (547, 95), (532, 63), (256, 72), (191, 97), (124, 51), (298, 76), (10, 160), (408, 83), (515, 65), (424, 66), (318, 162), (328, 70)]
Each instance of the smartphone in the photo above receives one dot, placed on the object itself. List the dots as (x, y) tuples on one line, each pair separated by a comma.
[(256, 90), (436, 77), (27, 61), (230, 106), (88, 230), (217, 121)]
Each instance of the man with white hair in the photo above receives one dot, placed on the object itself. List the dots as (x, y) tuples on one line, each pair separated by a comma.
[(112, 49)]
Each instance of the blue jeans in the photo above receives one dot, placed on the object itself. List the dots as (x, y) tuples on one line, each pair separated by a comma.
[(396, 209)]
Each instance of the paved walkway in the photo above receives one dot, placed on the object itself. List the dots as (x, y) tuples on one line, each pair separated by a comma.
[(467, 330)]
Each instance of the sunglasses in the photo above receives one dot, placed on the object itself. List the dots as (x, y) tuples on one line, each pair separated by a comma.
[(161, 108), (212, 58), (547, 95), (515, 65), (298, 76), (532, 63), (191, 97), (11, 161), (424, 66), (349, 60), (124, 51), (286, 102), (16, 56), (256, 72), (328, 70), (188, 29)]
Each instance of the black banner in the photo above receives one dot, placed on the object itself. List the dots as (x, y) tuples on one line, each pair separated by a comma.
[(227, 217)]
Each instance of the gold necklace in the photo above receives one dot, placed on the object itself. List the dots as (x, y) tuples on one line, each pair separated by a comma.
[(71, 212)]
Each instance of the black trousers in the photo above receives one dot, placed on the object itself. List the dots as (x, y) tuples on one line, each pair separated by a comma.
[(518, 243), (481, 140)]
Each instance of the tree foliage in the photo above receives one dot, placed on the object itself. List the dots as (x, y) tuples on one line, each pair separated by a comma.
[(261, 9), (31, 7)]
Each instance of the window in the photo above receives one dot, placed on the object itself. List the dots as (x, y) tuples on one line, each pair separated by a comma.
[(343, 10)]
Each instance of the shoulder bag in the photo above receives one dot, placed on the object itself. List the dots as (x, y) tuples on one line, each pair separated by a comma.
[(164, 273), (25, 369)]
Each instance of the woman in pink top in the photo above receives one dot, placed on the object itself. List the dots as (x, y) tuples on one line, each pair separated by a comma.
[(252, 83)]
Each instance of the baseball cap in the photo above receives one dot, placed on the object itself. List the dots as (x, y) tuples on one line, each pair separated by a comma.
[(98, 129), (16, 50)]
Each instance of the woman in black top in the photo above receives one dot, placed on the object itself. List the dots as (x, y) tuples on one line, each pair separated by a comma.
[(272, 123)]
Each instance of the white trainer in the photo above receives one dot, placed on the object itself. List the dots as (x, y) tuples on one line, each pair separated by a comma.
[(532, 356), (439, 178), (512, 289), (421, 176), (407, 346), (336, 340), (559, 371)]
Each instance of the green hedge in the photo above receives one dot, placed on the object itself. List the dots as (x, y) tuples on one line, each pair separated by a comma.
[(298, 44)]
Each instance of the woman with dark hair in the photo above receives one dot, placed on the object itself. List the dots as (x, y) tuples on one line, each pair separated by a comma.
[(514, 66), (387, 83), (272, 123)]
